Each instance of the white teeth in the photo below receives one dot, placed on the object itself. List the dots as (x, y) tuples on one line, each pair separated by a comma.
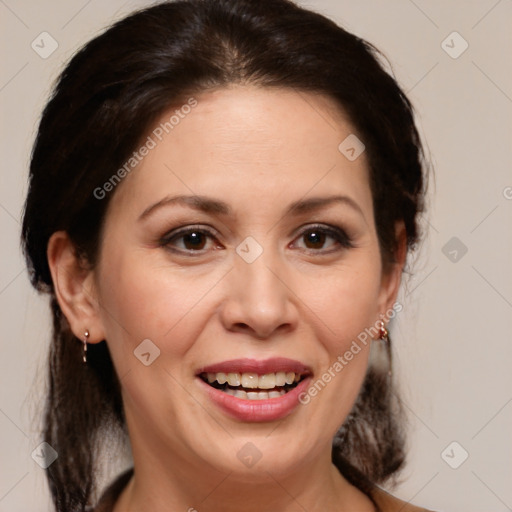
[(263, 395), (290, 377), (222, 378), (234, 379), (267, 381), (280, 379), (254, 395), (253, 380), (249, 380)]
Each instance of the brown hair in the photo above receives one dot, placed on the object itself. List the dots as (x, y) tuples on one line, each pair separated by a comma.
[(127, 77)]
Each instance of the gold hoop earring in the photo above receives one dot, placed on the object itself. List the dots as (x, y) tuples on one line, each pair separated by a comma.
[(383, 332), (86, 338), (384, 338)]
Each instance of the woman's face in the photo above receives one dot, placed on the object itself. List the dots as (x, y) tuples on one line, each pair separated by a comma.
[(231, 279)]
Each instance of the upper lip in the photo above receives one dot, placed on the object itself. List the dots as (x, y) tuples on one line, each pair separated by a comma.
[(261, 367)]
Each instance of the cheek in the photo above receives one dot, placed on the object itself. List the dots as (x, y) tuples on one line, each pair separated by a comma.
[(346, 303), (141, 300), (345, 306)]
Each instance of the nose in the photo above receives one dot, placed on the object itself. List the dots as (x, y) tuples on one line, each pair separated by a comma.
[(259, 298)]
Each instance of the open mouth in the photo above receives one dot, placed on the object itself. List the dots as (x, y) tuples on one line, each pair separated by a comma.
[(251, 386)]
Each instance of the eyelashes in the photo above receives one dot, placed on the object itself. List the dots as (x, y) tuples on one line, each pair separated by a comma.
[(192, 235), (194, 240), (319, 233)]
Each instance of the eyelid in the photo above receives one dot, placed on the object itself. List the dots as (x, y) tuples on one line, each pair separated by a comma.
[(187, 229), (337, 233), (165, 240)]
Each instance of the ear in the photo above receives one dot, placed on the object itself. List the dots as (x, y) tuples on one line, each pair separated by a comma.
[(74, 287), (392, 275)]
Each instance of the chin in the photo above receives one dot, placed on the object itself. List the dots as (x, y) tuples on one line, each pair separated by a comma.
[(259, 458)]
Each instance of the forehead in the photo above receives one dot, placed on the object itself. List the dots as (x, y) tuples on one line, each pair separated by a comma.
[(243, 142)]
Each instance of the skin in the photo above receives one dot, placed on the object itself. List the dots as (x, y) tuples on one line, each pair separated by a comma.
[(258, 150)]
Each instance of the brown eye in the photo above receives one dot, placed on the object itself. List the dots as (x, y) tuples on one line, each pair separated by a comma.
[(194, 240), (187, 241), (316, 237)]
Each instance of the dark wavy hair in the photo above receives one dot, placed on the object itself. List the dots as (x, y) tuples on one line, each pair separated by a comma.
[(105, 102)]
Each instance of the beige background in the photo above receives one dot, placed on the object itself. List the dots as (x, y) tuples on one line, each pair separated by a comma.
[(453, 340)]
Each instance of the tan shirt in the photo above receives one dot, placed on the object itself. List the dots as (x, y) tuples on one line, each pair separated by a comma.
[(385, 501)]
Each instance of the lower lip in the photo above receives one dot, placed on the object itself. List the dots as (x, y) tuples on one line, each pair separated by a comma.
[(270, 409)]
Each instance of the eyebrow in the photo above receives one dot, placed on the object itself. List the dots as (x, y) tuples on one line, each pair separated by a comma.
[(209, 205)]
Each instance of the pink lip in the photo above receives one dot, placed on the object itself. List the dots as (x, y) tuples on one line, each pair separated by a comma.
[(271, 409), (272, 365)]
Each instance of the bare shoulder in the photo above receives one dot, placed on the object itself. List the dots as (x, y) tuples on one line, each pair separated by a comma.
[(388, 503)]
